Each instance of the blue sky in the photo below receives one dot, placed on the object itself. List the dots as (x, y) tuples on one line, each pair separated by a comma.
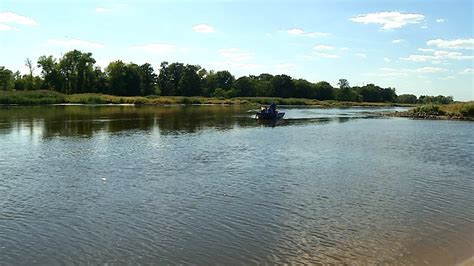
[(419, 47)]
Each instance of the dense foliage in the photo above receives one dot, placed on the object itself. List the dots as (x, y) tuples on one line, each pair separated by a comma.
[(75, 72)]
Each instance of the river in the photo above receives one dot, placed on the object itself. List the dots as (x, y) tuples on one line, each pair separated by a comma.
[(210, 185)]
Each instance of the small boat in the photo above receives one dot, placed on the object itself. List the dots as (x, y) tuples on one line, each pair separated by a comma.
[(269, 113), (269, 116)]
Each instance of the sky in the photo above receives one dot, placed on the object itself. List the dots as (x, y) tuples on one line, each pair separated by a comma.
[(418, 47)]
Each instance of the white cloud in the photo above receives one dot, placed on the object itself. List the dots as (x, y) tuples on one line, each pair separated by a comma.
[(76, 43), (440, 20), (324, 55), (389, 20), (437, 56), (424, 27), (101, 10), (295, 31), (344, 48), (5, 27), (387, 59), (424, 50), (398, 41), (447, 78), (323, 48), (300, 32), (429, 70), (156, 48), (453, 44), (403, 72), (12, 18), (361, 55), (235, 54), (204, 28), (467, 71)]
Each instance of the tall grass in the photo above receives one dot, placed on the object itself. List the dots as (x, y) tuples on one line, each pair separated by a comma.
[(459, 110), (31, 97)]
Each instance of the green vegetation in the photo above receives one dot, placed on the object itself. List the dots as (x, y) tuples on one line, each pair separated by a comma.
[(31, 97), (459, 109), (52, 97), (76, 75), (453, 111)]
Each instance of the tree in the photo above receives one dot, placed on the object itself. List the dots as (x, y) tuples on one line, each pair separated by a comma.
[(283, 86), (148, 80), (263, 85), (53, 79), (370, 93), (343, 84), (133, 81), (190, 82), (99, 81), (244, 86), (213, 80), (324, 91), (29, 80), (78, 71), (169, 78), (406, 98), (304, 89), (345, 93), (7, 81), (116, 73)]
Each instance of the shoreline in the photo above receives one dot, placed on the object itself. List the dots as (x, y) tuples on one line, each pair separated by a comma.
[(427, 116)]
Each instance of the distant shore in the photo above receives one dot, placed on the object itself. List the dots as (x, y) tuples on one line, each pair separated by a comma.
[(52, 97)]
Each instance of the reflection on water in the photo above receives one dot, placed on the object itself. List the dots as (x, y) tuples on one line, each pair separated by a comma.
[(209, 184), (89, 120)]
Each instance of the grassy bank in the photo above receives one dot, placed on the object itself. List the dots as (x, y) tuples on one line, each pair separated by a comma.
[(460, 111), (51, 97), (31, 97)]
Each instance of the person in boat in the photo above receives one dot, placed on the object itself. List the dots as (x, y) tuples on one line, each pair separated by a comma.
[(272, 108)]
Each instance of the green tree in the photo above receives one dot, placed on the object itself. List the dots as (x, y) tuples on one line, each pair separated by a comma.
[(169, 78), (388, 95), (406, 98), (345, 93), (282, 86), (244, 86), (304, 89), (53, 79), (324, 91), (148, 80), (370, 93), (133, 80), (7, 81), (78, 71), (263, 85), (190, 82), (29, 79), (116, 74)]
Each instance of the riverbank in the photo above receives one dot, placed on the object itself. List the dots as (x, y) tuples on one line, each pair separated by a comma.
[(52, 97), (456, 111)]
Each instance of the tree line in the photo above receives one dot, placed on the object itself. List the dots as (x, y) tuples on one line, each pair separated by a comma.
[(76, 72)]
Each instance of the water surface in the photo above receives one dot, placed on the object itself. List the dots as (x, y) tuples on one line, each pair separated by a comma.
[(209, 184)]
